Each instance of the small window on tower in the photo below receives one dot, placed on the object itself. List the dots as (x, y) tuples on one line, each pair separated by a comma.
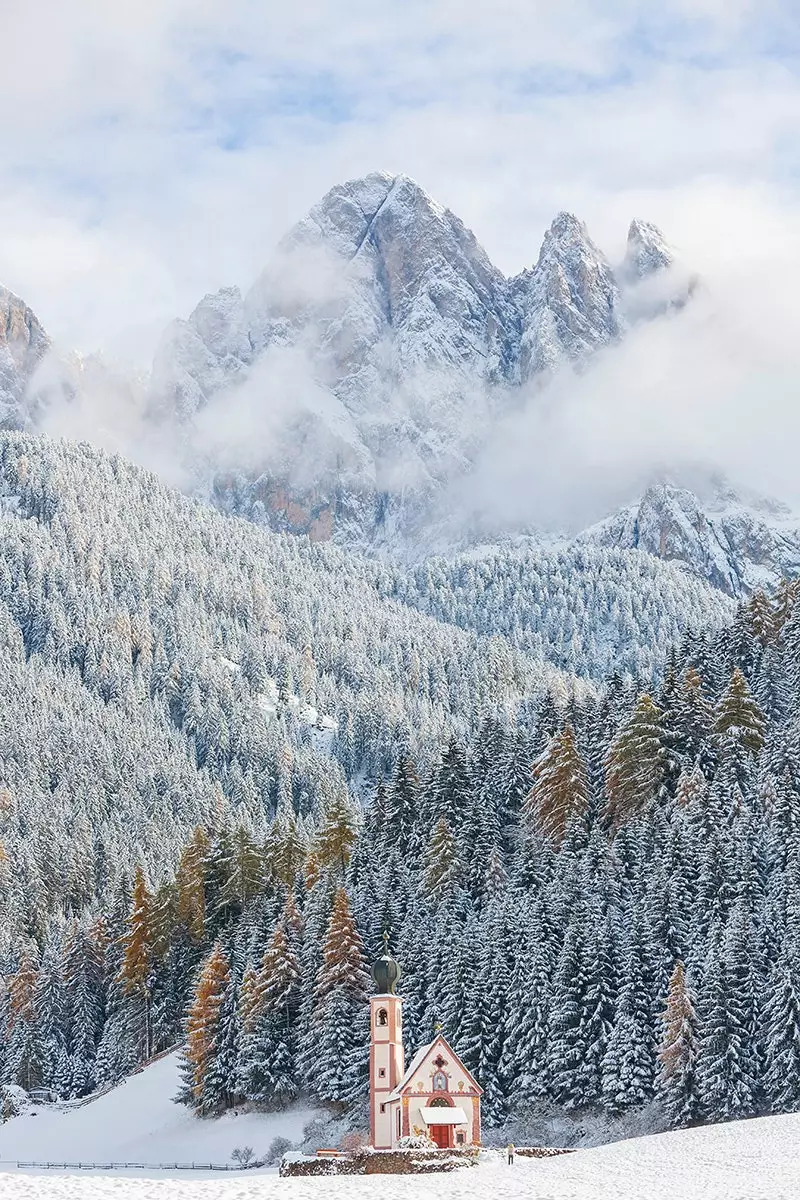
[(383, 1017), (383, 1108), (382, 1072)]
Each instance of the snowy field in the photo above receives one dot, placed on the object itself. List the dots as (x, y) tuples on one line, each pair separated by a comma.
[(747, 1160), (751, 1160), (139, 1122)]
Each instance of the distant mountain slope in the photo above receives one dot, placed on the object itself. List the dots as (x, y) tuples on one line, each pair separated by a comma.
[(162, 658), (588, 610), (23, 345), (350, 393)]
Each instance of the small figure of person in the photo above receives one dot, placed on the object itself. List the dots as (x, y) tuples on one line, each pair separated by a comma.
[(511, 1154)]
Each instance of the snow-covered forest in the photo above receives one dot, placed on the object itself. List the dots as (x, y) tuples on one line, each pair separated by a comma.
[(230, 762), (586, 610)]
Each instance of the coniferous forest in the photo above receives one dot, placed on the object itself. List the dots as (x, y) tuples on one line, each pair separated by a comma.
[(230, 762)]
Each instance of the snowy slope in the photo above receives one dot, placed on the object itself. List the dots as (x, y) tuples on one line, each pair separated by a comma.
[(748, 1160), (139, 1121)]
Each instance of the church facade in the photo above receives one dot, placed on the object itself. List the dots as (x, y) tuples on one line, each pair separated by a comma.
[(435, 1095)]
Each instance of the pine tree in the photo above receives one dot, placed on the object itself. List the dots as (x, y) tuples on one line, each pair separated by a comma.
[(560, 793), (581, 1012), (727, 1063), (677, 1055), (240, 869), (453, 786), (84, 981), (628, 1062), (634, 763), (202, 1026), (782, 1035), (137, 962), (338, 833), (190, 884), (691, 723), (23, 1055), (269, 1020), (738, 718), (761, 618), (339, 1025), (443, 868), (220, 1078), (402, 800)]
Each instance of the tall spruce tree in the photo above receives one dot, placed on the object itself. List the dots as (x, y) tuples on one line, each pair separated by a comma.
[(339, 1027), (560, 793), (634, 763), (677, 1080)]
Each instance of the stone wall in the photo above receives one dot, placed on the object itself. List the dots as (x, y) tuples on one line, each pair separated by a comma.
[(382, 1162), (542, 1151)]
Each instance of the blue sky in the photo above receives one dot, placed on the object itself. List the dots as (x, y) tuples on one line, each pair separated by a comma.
[(153, 154)]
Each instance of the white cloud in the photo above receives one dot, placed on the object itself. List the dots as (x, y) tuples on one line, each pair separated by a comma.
[(158, 150), (712, 386)]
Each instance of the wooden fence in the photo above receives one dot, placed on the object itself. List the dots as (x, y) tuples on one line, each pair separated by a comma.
[(21, 1164)]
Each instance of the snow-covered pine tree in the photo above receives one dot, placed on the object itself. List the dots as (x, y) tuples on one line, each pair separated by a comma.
[(560, 793), (137, 962), (267, 1059), (443, 869), (202, 1026), (339, 1026), (738, 717), (677, 1080), (634, 763)]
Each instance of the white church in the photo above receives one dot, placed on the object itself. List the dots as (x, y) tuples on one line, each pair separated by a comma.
[(436, 1095)]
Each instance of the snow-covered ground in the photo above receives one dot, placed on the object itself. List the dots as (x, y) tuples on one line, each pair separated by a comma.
[(746, 1160), (140, 1122), (750, 1160)]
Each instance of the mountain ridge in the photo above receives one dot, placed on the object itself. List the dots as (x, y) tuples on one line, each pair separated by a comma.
[(350, 391)]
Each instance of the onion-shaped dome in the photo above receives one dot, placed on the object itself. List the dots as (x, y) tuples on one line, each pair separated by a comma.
[(385, 971)]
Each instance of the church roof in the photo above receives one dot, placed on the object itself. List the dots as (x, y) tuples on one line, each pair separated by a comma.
[(419, 1058)]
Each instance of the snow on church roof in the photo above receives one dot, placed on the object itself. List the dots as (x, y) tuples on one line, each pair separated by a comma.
[(444, 1116), (419, 1058), (412, 1069)]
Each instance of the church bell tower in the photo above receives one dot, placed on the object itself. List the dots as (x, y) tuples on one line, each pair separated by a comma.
[(386, 1059)]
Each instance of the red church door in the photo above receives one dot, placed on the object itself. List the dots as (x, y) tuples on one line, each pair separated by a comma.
[(441, 1135)]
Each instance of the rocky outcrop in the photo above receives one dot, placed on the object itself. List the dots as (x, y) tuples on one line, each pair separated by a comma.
[(738, 543), (569, 302), (23, 346), (646, 252)]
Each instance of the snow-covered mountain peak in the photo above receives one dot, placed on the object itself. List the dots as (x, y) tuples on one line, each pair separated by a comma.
[(737, 542), (569, 302), (646, 252), (567, 230)]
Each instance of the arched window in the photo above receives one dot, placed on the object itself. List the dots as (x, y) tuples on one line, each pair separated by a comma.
[(382, 1017), (439, 1081)]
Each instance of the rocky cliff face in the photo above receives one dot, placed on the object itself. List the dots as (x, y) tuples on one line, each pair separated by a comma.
[(23, 345), (395, 313), (738, 543), (569, 303)]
